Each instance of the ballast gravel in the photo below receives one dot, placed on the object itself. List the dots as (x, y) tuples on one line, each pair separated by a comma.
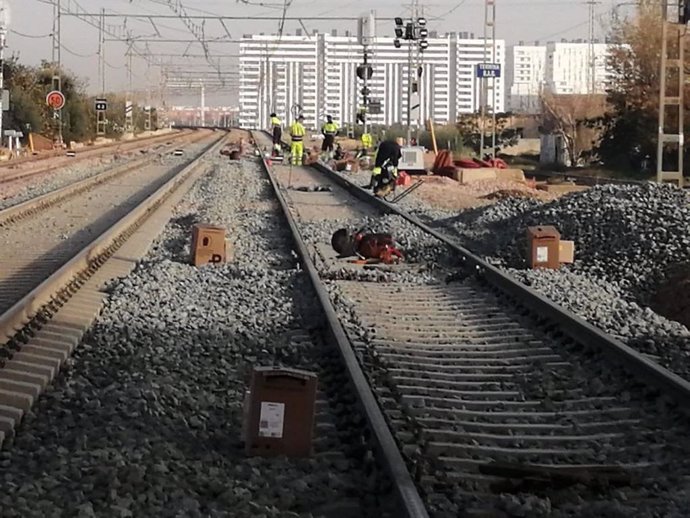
[(146, 418), (627, 239)]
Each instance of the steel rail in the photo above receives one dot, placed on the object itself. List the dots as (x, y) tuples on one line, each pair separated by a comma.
[(48, 199), (577, 328), (410, 499), (88, 152), (22, 312)]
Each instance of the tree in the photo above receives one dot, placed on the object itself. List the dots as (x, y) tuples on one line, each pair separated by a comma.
[(629, 128), (468, 126), (568, 116)]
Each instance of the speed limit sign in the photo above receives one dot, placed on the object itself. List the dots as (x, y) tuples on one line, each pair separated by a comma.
[(56, 100)]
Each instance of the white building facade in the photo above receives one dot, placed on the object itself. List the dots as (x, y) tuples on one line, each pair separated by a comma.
[(319, 73), (526, 75), (560, 68), (569, 67)]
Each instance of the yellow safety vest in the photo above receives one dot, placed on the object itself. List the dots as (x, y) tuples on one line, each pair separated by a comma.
[(330, 128), (275, 122), (367, 141), (297, 132)]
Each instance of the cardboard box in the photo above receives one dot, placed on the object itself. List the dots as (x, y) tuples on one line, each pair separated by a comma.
[(280, 412), (543, 245), (566, 252), (208, 245)]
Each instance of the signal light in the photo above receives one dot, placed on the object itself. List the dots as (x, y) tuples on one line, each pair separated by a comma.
[(421, 22), (398, 32), (399, 22), (397, 44), (423, 33), (409, 31), (423, 45), (365, 71)]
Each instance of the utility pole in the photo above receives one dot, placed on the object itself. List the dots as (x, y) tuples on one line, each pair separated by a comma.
[(672, 99), (592, 84), (57, 62), (101, 52), (129, 105), (485, 87), (4, 22), (203, 104)]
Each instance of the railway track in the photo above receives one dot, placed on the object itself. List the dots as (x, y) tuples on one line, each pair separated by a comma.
[(134, 368), (55, 261), (25, 168), (497, 400)]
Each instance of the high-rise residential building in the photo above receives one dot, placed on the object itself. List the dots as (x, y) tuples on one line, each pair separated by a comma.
[(526, 75), (560, 68), (319, 73), (569, 67)]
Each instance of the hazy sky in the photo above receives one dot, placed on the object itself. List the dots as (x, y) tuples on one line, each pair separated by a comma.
[(31, 26)]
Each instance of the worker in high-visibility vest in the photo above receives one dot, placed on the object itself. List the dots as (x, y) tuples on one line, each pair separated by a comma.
[(385, 172), (277, 131), (297, 133), (367, 142), (329, 130)]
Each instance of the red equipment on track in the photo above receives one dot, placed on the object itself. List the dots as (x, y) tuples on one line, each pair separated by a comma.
[(368, 247)]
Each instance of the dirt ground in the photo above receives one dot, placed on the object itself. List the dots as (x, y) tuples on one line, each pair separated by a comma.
[(446, 193)]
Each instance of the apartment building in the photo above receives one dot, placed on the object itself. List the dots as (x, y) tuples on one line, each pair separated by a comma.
[(568, 67), (318, 72), (526, 74)]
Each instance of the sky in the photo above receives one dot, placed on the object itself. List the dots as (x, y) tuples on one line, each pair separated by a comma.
[(31, 24)]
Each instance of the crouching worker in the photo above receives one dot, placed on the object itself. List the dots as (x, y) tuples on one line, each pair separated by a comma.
[(385, 172), (369, 247)]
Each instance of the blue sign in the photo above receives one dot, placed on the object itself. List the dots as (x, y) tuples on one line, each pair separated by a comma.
[(488, 70)]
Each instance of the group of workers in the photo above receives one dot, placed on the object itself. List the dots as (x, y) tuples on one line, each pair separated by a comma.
[(388, 155)]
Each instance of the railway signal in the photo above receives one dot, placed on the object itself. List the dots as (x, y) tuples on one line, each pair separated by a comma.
[(101, 107), (412, 30), (55, 100)]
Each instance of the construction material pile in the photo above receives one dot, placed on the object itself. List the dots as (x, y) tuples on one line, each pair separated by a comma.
[(628, 235)]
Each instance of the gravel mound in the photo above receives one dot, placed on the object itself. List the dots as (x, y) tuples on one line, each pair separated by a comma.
[(628, 235), (146, 418)]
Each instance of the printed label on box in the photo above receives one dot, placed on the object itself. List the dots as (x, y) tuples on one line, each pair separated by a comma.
[(542, 254), (271, 419)]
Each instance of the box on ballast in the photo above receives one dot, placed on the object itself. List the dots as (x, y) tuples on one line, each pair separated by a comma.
[(543, 247), (279, 412), (566, 252), (208, 245)]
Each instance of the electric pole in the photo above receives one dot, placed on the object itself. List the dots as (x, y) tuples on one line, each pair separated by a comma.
[(4, 22), (487, 88), (671, 99), (592, 83)]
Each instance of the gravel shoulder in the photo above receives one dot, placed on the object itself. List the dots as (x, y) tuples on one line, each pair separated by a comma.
[(146, 418)]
